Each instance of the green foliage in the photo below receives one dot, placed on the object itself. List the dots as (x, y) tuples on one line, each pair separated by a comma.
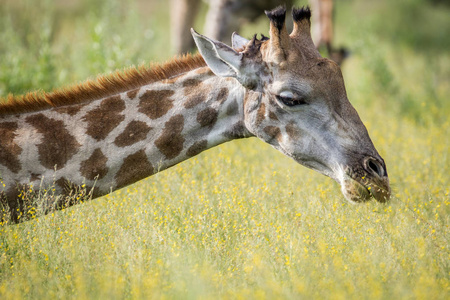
[(241, 220), (402, 46), (71, 41)]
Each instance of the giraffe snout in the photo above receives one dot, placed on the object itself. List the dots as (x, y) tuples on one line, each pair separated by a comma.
[(365, 180)]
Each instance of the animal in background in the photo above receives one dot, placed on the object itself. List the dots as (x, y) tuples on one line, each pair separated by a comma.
[(322, 29), (227, 16), (222, 19)]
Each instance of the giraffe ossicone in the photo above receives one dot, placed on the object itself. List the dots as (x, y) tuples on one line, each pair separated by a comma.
[(116, 130)]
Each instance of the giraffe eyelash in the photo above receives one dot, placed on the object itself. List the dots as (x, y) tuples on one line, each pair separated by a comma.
[(291, 101)]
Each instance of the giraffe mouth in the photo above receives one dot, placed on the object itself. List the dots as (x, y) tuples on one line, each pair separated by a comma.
[(365, 188), (356, 189)]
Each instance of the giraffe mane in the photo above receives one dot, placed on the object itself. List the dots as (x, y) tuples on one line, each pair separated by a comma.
[(100, 87)]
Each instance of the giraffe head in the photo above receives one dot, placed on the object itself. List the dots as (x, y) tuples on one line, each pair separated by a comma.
[(296, 101)]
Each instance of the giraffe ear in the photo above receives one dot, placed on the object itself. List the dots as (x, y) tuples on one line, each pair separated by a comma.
[(238, 42), (223, 60)]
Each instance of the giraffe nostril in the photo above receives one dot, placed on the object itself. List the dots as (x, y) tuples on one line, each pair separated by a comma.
[(374, 166)]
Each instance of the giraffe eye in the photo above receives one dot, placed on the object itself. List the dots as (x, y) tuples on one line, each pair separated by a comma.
[(288, 99)]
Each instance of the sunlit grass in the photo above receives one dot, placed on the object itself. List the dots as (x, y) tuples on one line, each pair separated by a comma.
[(241, 220)]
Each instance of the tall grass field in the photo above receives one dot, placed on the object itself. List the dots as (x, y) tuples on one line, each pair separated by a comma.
[(242, 221)]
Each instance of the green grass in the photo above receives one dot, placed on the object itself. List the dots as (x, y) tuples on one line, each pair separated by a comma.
[(241, 220)]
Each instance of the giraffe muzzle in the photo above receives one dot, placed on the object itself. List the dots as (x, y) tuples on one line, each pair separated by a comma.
[(361, 184)]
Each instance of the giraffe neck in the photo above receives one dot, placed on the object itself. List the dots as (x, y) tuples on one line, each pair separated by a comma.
[(112, 142), (187, 115)]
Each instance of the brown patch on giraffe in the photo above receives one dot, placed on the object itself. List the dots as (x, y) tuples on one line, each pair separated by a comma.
[(132, 94), (197, 148), (195, 100), (273, 116), (237, 131), (34, 177), (170, 143), (95, 166), (260, 115), (232, 108), (9, 150), (207, 117), (71, 110), (195, 91), (13, 206), (63, 184), (134, 132), (57, 145), (273, 132), (156, 104), (107, 116), (135, 167), (191, 83), (223, 95), (292, 132)]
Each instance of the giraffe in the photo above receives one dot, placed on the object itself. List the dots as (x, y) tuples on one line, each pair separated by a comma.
[(110, 132)]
